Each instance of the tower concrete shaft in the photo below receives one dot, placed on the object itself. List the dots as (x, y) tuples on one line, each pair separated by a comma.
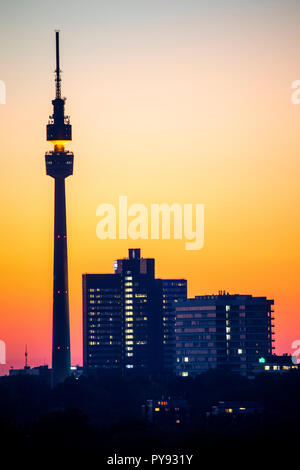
[(61, 361)]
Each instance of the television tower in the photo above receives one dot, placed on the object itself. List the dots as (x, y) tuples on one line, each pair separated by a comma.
[(59, 165)]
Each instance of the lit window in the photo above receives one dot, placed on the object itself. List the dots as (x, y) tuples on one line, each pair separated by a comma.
[(185, 374), (240, 351), (227, 308), (186, 359)]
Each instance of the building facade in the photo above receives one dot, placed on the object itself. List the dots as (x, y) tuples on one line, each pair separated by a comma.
[(141, 301), (227, 331), (102, 322), (173, 291)]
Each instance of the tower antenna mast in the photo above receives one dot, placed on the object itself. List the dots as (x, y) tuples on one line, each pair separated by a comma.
[(57, 70)]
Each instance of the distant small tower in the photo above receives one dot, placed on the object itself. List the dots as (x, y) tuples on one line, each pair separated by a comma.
[(26, 358), (59, 165)]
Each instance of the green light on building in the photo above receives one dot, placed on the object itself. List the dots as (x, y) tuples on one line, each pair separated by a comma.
[(261, 360)]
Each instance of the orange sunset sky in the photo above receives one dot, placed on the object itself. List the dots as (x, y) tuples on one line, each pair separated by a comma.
[(170, 101)]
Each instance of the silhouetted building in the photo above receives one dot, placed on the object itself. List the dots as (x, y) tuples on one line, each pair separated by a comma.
[(123, 317), (166, 411), (40, 371), (59, 165), (227, 331), (235, 408), (275, 364), (77, 371)]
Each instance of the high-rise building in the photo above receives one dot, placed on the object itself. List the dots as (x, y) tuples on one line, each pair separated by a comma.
[(127, 317), (173, 290), (142, 313), (102, 322), (227, 331), (59, 165)]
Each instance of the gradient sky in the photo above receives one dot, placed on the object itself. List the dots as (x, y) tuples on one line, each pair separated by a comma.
[(170, 101)]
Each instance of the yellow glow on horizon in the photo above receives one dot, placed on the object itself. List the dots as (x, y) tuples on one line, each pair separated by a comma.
[(182, 115)]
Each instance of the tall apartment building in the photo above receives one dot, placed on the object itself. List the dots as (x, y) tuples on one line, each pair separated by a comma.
[(222, 330), (173, 290), (128, 317), (102, 322), (141, 303)]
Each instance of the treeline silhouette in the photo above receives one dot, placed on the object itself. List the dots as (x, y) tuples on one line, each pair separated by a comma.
[(104, 415)]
